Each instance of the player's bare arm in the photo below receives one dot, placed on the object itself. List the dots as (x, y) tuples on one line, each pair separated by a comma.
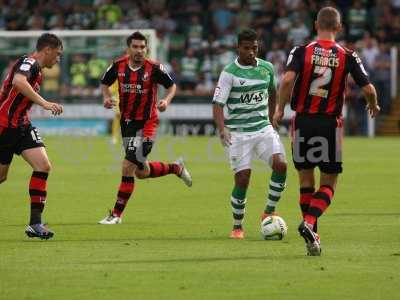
[(21, 83), (108, 100), (163, 103), (223, 133), (285, 91), (370, 95)]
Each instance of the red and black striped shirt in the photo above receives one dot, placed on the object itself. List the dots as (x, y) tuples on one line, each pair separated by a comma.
[(322, 68), (137, 88), (14, 106)]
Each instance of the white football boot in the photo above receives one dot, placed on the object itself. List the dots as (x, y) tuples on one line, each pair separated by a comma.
[(111, 220), (185, 175)]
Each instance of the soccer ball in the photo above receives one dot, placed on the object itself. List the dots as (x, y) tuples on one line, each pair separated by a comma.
[(273, 228)]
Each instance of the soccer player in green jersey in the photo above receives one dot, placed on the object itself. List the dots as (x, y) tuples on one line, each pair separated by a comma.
[(247, 89)]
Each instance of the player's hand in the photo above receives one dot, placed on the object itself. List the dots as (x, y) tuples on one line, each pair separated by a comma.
[(225, 137), (55, 108), (162, 105), (109, 103), (277, 118), (373, 110)]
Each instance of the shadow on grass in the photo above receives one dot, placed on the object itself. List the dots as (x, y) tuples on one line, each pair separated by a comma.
[(134, 240), (195, 259), (57, 224)]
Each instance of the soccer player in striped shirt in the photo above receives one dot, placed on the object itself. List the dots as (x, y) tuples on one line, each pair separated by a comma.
[(138, 79), (17, 135), (247, 89), (317, 75)]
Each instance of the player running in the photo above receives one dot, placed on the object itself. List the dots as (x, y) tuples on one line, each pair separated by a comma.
[(247, 89), (317, 74), (17, 135), (138, 79)]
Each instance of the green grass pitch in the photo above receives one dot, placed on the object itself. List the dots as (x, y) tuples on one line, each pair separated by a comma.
[(173, 243)]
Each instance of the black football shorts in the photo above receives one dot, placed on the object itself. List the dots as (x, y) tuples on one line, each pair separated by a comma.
[(317, 142), (15, 140), (136, 144)]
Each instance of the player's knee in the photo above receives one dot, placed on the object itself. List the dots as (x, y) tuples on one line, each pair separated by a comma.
[(141, 174), (279, 167), (47, 167), (44, 167), (128, 171), (242, 180), (128, 168)]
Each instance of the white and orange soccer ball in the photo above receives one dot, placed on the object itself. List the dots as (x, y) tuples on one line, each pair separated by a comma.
[(273, 228)]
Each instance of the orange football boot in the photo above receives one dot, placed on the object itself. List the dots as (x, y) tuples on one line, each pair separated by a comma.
[(237, 234)]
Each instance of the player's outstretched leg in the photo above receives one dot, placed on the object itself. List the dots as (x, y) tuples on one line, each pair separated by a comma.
[(125, 191), (159, 169), (184, 173)]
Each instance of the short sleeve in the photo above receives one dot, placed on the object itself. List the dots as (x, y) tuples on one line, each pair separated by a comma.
[(357, 70), (162, 77), (27, 67), (223, 88), (110, 75), (294, 60)]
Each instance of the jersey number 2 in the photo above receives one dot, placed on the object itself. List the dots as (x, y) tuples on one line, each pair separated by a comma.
[(325, 76)]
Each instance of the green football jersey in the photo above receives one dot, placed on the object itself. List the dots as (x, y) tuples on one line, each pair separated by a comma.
[(245, 90)]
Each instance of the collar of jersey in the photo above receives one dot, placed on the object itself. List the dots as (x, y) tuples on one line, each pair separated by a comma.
[(326, 42), (245, 67), (134, 69)]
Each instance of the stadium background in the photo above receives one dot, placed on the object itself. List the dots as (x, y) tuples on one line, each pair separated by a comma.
[(173, 243), (196, 39)]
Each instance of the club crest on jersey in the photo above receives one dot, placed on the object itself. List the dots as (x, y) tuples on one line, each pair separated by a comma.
[(145, 76), (36, 87), (242, 82)]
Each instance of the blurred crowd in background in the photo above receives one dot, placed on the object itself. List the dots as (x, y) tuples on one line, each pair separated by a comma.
[(198, 37)]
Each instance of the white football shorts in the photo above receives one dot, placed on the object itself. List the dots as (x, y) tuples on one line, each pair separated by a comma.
[(246, 146)]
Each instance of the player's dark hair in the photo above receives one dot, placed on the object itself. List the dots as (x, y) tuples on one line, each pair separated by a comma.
[(48, 40), (248, 35), (328, 18), (136, 36)]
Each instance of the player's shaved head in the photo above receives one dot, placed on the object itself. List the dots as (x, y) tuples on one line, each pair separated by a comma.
[(329, 19)]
